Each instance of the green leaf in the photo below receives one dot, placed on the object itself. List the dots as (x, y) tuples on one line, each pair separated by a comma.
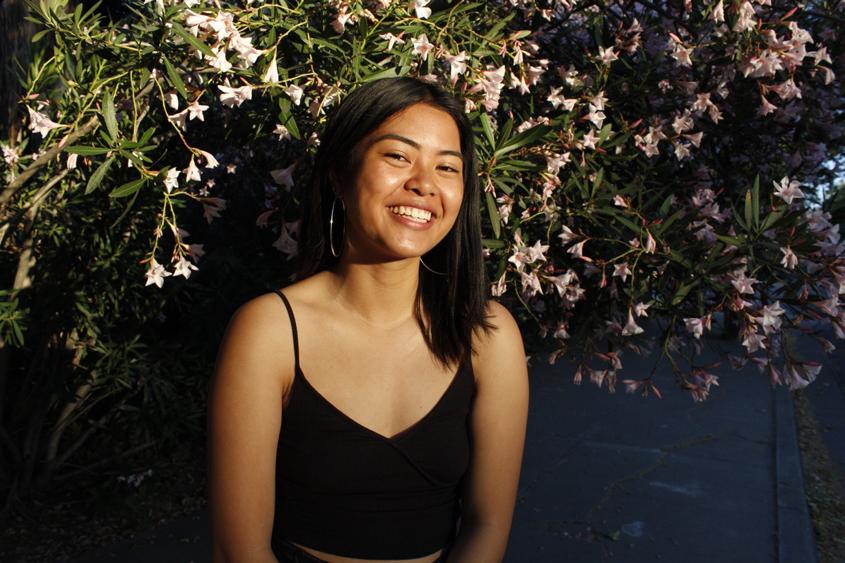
[(772, 218), (683, 291), (190, 39), (748, 201), (730, 240), (86, 151), (667, 203), (493, 212), (97, 177), (597, 181), (128, 188), (493, 244), (487, 128), (109, 116), (386, 73), (755, 200), (175, 79), (522, 139)]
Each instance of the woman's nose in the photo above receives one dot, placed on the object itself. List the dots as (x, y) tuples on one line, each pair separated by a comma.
[(422, 182)]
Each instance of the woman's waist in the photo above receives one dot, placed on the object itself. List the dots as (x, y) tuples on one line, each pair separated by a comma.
[(291, 552)]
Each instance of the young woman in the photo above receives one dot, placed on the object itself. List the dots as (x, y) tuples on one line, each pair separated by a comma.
[(375, 410)]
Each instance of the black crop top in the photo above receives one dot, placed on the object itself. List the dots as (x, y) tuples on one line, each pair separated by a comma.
[(345, 489)]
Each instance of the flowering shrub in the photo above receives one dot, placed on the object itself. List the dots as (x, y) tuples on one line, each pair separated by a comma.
[(641, 160)]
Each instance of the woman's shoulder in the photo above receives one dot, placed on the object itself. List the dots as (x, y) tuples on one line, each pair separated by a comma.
[(499, 345)]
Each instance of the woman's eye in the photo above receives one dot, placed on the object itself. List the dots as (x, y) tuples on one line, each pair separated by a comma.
[(395, 156), (449, 168)]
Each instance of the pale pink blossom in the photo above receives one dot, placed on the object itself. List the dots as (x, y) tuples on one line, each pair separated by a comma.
[(232, 96), (71, 161), (606, 55), (183, 268), (172, 100), (621, 271), (192, 172), (457, 65), (567, 235), (559, 100), (766, 107), (294, 92), (392, 39), (156, 274), (170, 180), (771, 320), (219, 60), (641, 309), (421, 46), (741, 283), (421, 8), (271, 75), (282, 132), (696, 325), (754, 342), (746, 20), (40, 123), (284, 176), (631, 328), (789, 260), (788, 190), (651, 244), (210, 161), (718, 13), (212, 206), (243, 46), (196, 110)]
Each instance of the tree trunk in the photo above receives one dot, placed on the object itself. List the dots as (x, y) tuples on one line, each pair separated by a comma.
[(15, 49)]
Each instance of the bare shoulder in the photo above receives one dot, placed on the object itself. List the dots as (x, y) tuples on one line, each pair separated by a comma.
[(498, 350), (259, 340)]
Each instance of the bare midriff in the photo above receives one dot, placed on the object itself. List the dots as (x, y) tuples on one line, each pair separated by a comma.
[(340, 559)]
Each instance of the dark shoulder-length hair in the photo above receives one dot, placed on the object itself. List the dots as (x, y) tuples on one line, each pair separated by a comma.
[(450, 305)]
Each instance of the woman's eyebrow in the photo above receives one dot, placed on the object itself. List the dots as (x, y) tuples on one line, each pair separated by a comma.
[(413, 143)]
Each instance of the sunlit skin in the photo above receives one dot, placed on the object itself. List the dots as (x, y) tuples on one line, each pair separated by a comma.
[(413, 159)]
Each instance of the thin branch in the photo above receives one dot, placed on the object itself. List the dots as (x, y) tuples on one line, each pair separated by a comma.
[(39, 162)]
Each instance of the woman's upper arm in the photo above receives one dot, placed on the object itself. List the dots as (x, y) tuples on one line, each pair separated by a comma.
[(244, 418), (499, 416)]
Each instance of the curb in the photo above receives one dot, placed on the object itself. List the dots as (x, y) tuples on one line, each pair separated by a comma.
[(795, 539)]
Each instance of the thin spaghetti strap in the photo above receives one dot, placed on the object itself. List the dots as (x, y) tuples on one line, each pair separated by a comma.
[(293, 328)]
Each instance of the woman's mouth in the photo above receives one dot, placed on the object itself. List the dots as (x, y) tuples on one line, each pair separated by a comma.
[(413, 213)]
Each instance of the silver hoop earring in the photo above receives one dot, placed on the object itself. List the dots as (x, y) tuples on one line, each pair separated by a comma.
[(429, 269), (335, 253)]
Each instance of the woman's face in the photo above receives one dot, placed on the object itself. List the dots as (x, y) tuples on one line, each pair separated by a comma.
[(408, 188)]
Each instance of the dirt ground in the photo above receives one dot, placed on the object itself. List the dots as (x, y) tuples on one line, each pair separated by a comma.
[(824, 484)]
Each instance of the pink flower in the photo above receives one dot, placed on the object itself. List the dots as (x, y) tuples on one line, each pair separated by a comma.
[(457, 65), (695, 326), (621, 271), (392, 39), (789, 260), (788, 190), (607, 55), (421, 46), (233, 97), (641, 309), (651, 244), (40, 123), (742, 283), (754, 342), (284, 176), (421, 8), (631, 328), (765, 107), (771, 317), (567, 235), (294, 92), (156, 274)]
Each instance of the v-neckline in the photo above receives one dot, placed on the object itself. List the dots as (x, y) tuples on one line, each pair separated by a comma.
[(401, 433)]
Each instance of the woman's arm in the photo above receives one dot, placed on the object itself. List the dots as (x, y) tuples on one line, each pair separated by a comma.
[(499, 416), (244, 418)]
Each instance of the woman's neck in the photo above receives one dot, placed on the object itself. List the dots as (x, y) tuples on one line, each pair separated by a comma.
[(382, 295)]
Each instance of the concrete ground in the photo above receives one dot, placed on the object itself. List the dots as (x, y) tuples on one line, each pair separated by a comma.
[(615, 477)]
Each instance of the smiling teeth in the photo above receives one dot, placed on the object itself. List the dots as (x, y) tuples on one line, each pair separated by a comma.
[(412, 212)]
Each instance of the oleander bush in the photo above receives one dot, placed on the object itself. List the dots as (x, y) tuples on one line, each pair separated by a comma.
[(651, 169)]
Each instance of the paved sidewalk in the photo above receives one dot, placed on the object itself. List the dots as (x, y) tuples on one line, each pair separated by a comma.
[(625, 479)]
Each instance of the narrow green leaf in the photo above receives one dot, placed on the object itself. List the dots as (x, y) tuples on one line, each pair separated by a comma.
[(755, 200), (748, 208), (128, 188), (522, 139), (664, 208), (109, 116), (175, 79), (386, 73), (730, 240), (772, 218), (487, 128), (493, 244), (597, 180), (97, 177), (493, 212), (190, 39), (86, 151), (683, 291)]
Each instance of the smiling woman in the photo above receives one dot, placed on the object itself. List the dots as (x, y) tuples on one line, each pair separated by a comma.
[(375, 410)]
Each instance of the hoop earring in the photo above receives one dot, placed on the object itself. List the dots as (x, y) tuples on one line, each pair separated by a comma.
[(429, 269), (335, 253)]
